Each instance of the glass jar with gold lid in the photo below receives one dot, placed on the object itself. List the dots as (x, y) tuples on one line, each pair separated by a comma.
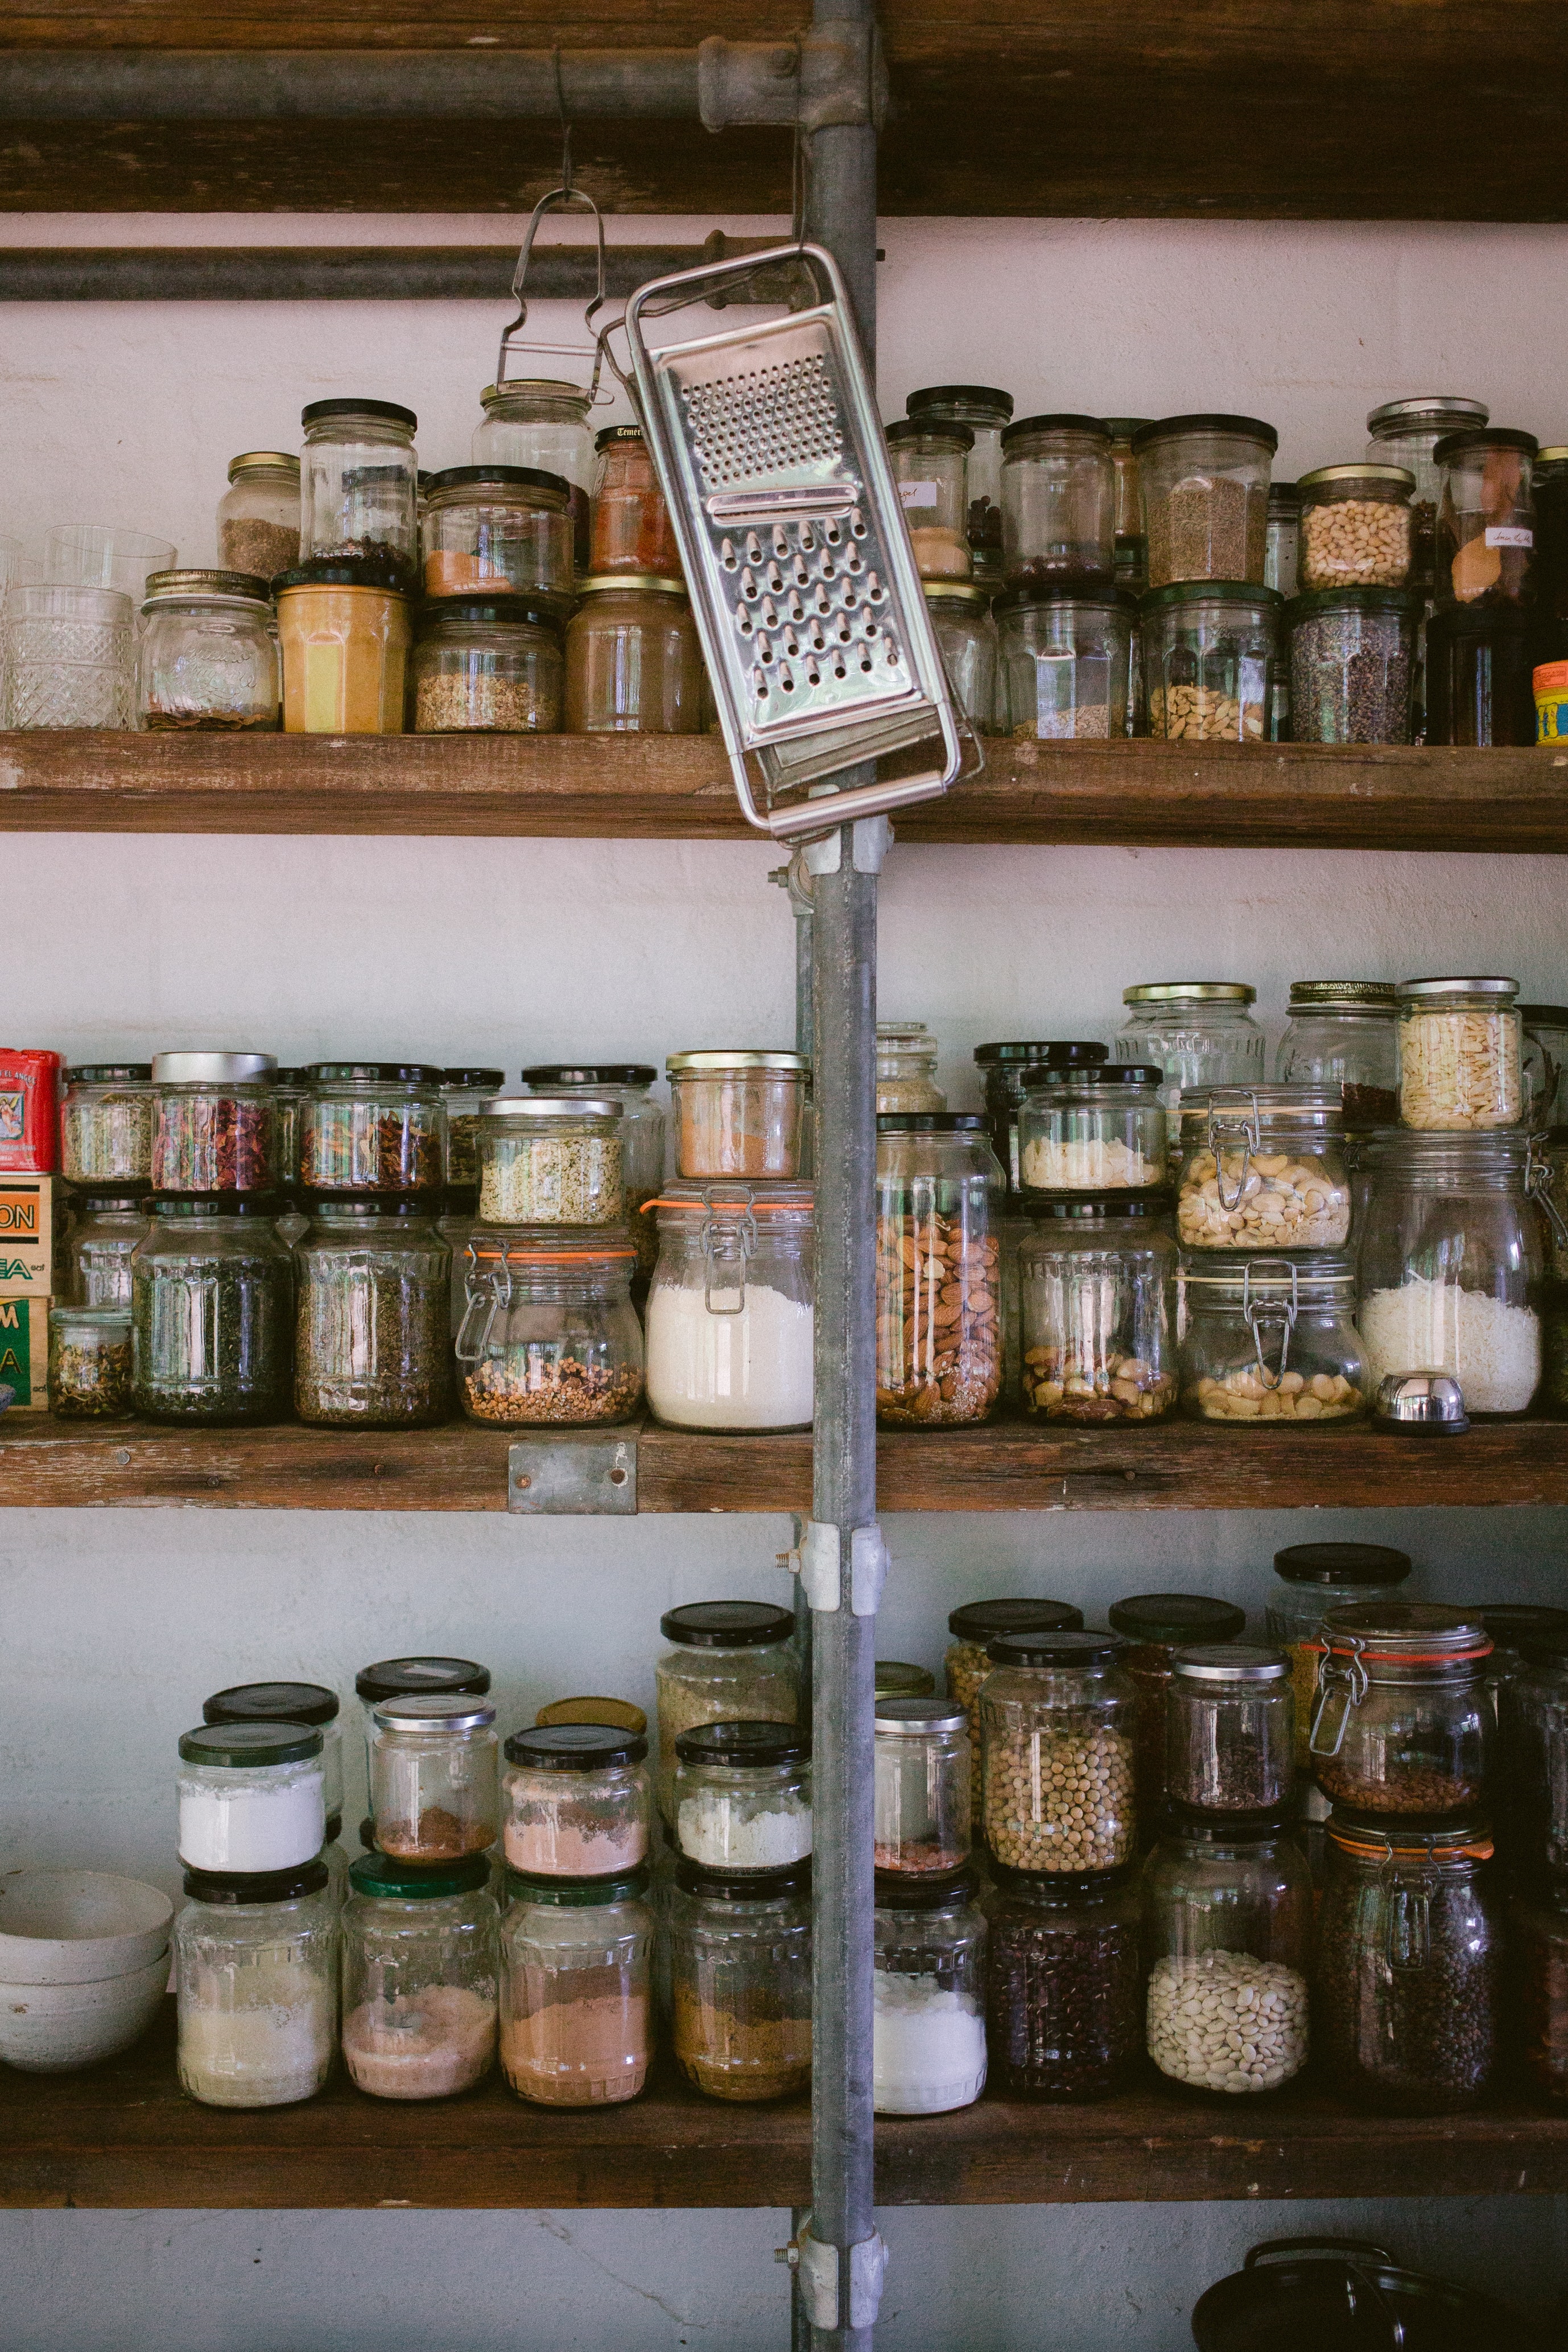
[(634, 666)]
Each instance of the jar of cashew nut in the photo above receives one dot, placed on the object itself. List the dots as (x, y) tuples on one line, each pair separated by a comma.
[(939, 1323), (1210, 653), (1355, 527), (1097, 1280), (1272, 1338), (1093, 1131), (1263, 1168), (1460, 1053)]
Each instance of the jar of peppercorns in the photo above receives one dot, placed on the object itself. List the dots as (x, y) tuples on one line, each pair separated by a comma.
[(1056, 1725)]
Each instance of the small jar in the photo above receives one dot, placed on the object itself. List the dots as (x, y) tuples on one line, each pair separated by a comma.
[(259, 514), (464, 1091), (89, 1363), (1356, 527), (207, 654), (212, 1306), (630, 529), (1006, 1068), (1460, 1053), (641, 1131), (634, 664), (1157, 1627), (1198, 1031), (1540, 1941), (488, 664), (1065, 1994), (407, 1678), (549, 1332), (1409, 1964), (731, 1661), (343, 631), (967, 1663), (1210, 654), (897, 1678), (1065, 664), (741, 1798), (1486, 516), (1227, 1910), (1406, 432), (420, 1960), (739, 1114), (289, 1090), (1057, 1726), (374, 1129), (216, 1125), (1282, 556), (577, 2003), (372, 1318), (1098, 1129), (966, 634), (255, 1963), (928, 463), (251, 1797), (106, 1126), (551, 1159), (311, 1704), (1230, 1728), (1479, 668), (433, 1776), (542, 423), (1533, 1741), (1206, 497), (1545, 1062), (358, 489), (739, 1975), (1096, 1276), (985, 412), (495, 531), (99, 1244), (1263, 1168), (939, 1330), (72, 657), (906, 1067), (922, 1786), (1314, 1577), (1353, 664), (730, 1313), (1132, 544), (1341, 1034), (1271, 1340), (928, 2021), (575, 1799), (1058, 502), (1402, 1722)]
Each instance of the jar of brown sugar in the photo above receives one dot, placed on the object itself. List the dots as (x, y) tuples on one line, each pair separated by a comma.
[(433, 1776), (738, 1113)]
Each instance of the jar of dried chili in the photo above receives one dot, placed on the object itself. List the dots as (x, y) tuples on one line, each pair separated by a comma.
[(630, 529), (217, 1125)]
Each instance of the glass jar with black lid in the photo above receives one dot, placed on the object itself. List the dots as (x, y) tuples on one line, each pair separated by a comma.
[(1533, 1754), (212, 1301), (372, 1318), (106, 1127), (489, 665), (973, 1628), (1005, 1068), (99, 1243), (465, 1090), (358, 485), (1065, 1982), (742, 1796), (730, 1661), (928, 462), (1056, 1732), (303, 1703), (1227, 1904), (740, 1972), (372, 1129), (985, 413), (1314, 1577), (1155, 1625), (1515, 1627), (1098, 1128), (411, 1678)]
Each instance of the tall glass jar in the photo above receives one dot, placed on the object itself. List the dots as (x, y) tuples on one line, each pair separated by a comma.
[(374, 1128), (739, 1114), (1005, 1067), (1479, 669), (928, 462), (1341, 1034), (420, 1959), (432, 1790), (1065, 665), (551, 1159), (1402, 1723), (740, 1971), (1156, 1625), (1486, 516), (549, 1332), (576, 1988), (1273, 1340), (1514, 1627), (1406, 432), (465, 1090), (1057, 1728), (311, 1704), (731, 1661), (634, 664), (960, 619), (101, 1240), (212, 1303), (731, 1315), (1198, 1031), (1409, 1963), (216, 1124), (1460, 1053), (1353, 664), (641, 1131), (1096, 1290), (497, 531), (630, 529), (928, 2027), (1098, 1129), (372, 1318), (1356, 526), (1314, 1577), (1281, 560), (1058, 502), (72, 655), (1228, 1908), (906, 1067), (1230, 1728), (1065, 1995), (207, 654), (742, 1796), (1206, 497), (921, 1770), (1210, 654), (358, 491), (985, 412), (488, 664), (938, 1332), (256, 1962), (289, 1088), (967, 1663), (106, 1127), (1132, 544), (542, 423), (1263, 1168), (576, 1796), (1532, 1739), (1539, 1942), (259, 514)]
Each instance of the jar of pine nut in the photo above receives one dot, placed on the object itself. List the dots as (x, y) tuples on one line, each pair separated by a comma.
[(1355, 527), (1460, 1053)]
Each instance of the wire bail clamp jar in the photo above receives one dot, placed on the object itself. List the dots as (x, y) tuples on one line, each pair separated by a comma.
[(1277, 1314)]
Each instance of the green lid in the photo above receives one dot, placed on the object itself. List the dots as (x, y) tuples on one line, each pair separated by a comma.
[(236, 1746), (382, 1873), (577, 1894)]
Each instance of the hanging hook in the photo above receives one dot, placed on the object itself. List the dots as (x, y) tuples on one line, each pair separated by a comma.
[(565, 122), (557, 197)]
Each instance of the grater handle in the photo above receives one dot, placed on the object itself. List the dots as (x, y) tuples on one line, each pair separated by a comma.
[(685, 289), (828, 809)]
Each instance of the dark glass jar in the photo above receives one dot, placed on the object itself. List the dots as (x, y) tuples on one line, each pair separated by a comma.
[(1540, 1943), (1403, 1724), (373, 1321), (1155, 1625), (1534, 1744), (1005, 1068), (1228, 1911), (1065, 1983), (1479, 676), (1230, 1728), (212, 1303), (1516, 1626), (1486, 516)]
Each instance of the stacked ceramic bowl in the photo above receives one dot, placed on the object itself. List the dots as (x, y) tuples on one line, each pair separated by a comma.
[(84, 1963)]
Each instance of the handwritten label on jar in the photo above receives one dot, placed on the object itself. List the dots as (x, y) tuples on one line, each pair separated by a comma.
[(1508, 534), (916, 494)]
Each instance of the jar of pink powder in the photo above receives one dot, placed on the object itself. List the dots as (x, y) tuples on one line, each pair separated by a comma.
[(575, 1800)]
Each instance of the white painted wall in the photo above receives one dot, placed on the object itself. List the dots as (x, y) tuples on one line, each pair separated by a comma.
[(112, 1626)]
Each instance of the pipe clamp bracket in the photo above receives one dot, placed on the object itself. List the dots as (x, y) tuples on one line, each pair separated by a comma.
[(818, 1560), (818, 2267)]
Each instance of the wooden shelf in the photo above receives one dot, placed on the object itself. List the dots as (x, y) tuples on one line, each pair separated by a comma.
[(1317, 796)]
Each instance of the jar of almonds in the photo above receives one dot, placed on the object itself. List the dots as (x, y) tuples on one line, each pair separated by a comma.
[(939, 1323), (1263, 1168), (1460, 1053)]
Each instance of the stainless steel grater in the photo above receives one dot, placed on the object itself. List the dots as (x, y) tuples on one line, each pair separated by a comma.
[(812, 615)]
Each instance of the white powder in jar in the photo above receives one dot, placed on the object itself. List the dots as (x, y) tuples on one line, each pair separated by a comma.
[(712, 1829), (928, 2046), (1491, 1348), (250, 1822), (750, 1371), (256, 2035)]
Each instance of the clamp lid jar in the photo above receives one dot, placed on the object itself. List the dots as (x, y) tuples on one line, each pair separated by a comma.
[(575, 1797), (251, 1797), (730, 1314), (1402, 1722), (742, 1796), (920, 1766), (1312, 1579), (433, 1776), (1098, 1130), (738, 1113), (550, 1159), (549, 1333), (1263, 1168), (1273, 1340)]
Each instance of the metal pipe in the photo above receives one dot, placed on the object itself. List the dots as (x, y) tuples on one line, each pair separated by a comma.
[(349, 273), (341, 86)]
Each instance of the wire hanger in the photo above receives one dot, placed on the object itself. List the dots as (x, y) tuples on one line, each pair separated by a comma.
[(558, 199)]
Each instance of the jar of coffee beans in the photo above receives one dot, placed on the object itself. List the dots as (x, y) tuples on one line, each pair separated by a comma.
[(1402, 1723), (1064, 2005), (1056, 1724)]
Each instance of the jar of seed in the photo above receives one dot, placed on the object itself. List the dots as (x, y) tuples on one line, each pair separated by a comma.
[(1206, 497), (1230, 1728), (1097, 1275), (549, 1333), (1056, 1725), (1210, 653), (1157, 1627), (214, 1129), (487, 665), (1353, 664), (89, 1363), (212, 1300), (1271, 1340), (1460, 1053), (464, 1092), (1540, 1939), (259, 514), (967, 1665), (1065, 1994), (551, 1159), (1228, 1911), (372, 1318), (1355, 526), (1402, 1722)]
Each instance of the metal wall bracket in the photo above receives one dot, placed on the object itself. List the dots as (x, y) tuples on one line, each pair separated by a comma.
[(573, 1474), (872, 839), (823, 80), (817, 2266), (819, 1561)]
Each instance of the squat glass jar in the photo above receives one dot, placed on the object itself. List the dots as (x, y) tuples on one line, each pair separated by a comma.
[(960, 619), (106, 1127), (420, 1958), (1199, 1031), (497, 531), (575, 1797), (343, 630), (1532, 1738), (742, 1796), (641, 1132), (370, 1129), (739, 1114), (1227, 1910), (216, 1125), (928, 2026), (372, 1318), (576, 1988), (1406, 432), (1065, 665), (730, 1314), (1099, 1130), (542, 424), (1460, 1053), (1263, 1168), (250, 1797), (1314, 1577), (1210, 654), (740, 1972), (920, 1768), (1058, 502), (488, 665), (1341, 1034), (99, 1247), (433, 1791), (1402, 1722), (549, 1332), (208, 657), (1273, 1340), (1356, 526), (631, 531), (928, 462), (1206, 497), (967, 1663), (1230, 1728), (1353, 664), (255, 1961), (1540, 1941), (939, 1327), (212, 1303), (89, 1363), (1096, 1276), (1485, 517), (906, 1067), (1058, 1723), (358, 485), (259, 514), (1065, 1990), (1005, 1069), (634, 666), (1157, 1626), (733, 1660), (407, 1678), (551, 1159), (72, 655), (985, 412)]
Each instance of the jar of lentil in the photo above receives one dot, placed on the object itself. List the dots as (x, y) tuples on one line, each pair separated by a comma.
[(343, 632), (633, 662), (1406, 432), (542, 424), (214, 1129), (1282, 558), (372, 1318), (730, 1661), (497, 531), (641, 1131), (420, 1960), (730, 1313), (1273, 1340), (939, 1338), (906, 1067), (742, 1796), (551, 1159), (1064, 2009), (433, 1791), (928, 2027), (576, 1988), (575, 1797), (464, 1091), (1058, 502), (1230, 1728), (928, 462), (1341, 1034), (1263, 1168), (973, 1628), (1057, 1731), (1006, 1068), (1096, 1276), (985, 413), (1356, 526), (1402, 1722), (99, 1246), (1065, 664), (1353, 664), (1409, 1963), (1157, 1626), (1461, 1049), (631, 534), (1540, 1941), (1199, 1031), (488, 664), (311, 1705), (207, 654), (1210, 652), (740, 1971), (1533, 1742), (922, 1786), (1101, 1128), (374, 1127), (964, 630), (1314, 1577), (255, 1967), (259, 514), (1227, 1909), (212, 1303), (739, 1114), (1486, 516), (358, 486), (106, 1127), (89, 1363), (549, 1332), (1206, 497)]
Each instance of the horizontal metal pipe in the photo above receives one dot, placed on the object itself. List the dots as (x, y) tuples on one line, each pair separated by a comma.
[(417, 273)]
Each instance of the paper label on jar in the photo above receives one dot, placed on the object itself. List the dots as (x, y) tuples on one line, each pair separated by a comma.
[(1508, 534), (916, 494)]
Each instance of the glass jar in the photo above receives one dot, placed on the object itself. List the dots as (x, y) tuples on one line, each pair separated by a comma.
[(928, 462), (1227, 1910), (1065, 1990), (1282, 551), (631, 534), (1065, 665), (1341, 1034), (433, 1791), (967, 1663), (730, 1321), (1551, 487), (1131, 543), (549, 1332), (407, 1678), (1478, 677), (1230, 1728), (1402, 1723), (1353, 665), (741, 1799), (641, 1131), (289, 1088), (576, 1988), (897, 1678), (633, 662), (212, 1304), (464, 1091), (1157, 1626), (1198, 1031), (1095, 1130), (106, 1126), (491, 530), (928, 2027), (575, 1797), (216, 1125), (1273, 1340), (251, 1797), (1545, 1055), (89, 1363), (1514, 1627), (1452, 1266), (343, 632), (1097, 1277), (1058, 502), (1209, 660), (1356, 526), (1057, 1728), (420, 1960), (488, 665), (551, 1159), (371, 1128), (72, 655), (542, 424), (1206, 497), (739, 1114), (358, 491), (1460, 1053), (259, 514), (256, 1962), (208, 655), (311, 1704), (1539, 1940), (99, 1247), (1406, 432), (1314, 1577), (1409, 1964), (922, 1786), (740, 1971), (1263, 1168), (1006, 1068), (985, 412), (1486, 516), (1532, 1740), (938, 1331), (733, 1660), (373, 1286), (906, 1067), (964, 630)]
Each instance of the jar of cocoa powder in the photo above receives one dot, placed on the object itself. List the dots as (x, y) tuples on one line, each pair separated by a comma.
[(433, 1768)]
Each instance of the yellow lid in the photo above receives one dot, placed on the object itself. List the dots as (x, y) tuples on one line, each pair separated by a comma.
[(618, 1712)]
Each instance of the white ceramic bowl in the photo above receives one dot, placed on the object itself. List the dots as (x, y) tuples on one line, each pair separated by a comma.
[(77, 1926), (48, 2029)]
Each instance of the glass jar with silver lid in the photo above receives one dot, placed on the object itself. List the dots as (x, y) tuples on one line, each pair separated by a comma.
[(1263, 1168), (1460, 1053), (920, 1768), (208, 654), (1230, 1728), (551, 1159), (1406, 432), (1199, 1031), (1341, 1034)]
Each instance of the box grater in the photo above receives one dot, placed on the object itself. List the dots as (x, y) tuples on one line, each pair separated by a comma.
[(812, 615)]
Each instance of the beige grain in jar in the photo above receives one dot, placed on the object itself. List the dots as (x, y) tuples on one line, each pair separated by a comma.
[(738, 1113), (1460, 1046), (973, 1628), (1355, 527)]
